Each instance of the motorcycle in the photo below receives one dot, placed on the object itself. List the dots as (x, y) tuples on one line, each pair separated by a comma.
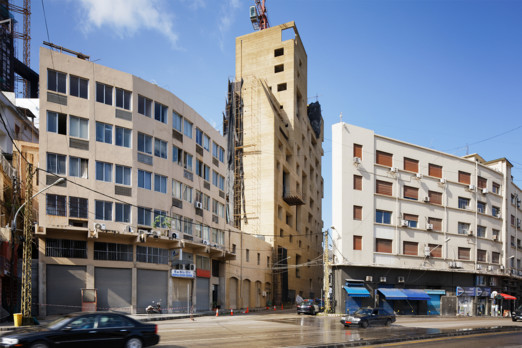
[(154, 308)]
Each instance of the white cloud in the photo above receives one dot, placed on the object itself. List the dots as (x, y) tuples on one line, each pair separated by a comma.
[(126, 17), (227, 16)]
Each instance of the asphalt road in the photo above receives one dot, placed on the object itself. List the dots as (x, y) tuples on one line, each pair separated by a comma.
[(287, 329)]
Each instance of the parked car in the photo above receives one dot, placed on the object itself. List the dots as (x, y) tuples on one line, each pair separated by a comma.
[(97, 329), (308, 306), (369, 316), (517, 314)]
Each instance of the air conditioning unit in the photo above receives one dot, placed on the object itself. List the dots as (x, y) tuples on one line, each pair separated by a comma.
[(490, 268), (442, 181), (190, 267), (471, 187), (458, 264), (199, 205), (499, 215), (479, 267), (99, 226), (427, 251), (264, 293), (155, 233), (426, 199), (93, 234), (394, 170), (206, 242), (128, 229), (451, 264), (369, 278), (404, 223), (518, 202), (429, 226), (502, 267), (382, 279), (400, 279), (492, 283), (470, 233), (142, 236), (495, 237), (418, 176), (173, 235), (485, 191), (356, 160)]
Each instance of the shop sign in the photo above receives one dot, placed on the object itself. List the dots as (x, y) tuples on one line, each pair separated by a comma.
[(459, 291), (473, 291), (182, 273)]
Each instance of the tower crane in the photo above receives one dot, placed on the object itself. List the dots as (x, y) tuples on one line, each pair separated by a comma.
[(258, 15)]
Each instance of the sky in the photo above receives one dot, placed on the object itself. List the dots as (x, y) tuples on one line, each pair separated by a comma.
[(443, 74)]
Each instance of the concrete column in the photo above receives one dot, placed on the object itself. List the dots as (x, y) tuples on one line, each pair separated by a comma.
[(42, 287), (134, 296), (89, 277)]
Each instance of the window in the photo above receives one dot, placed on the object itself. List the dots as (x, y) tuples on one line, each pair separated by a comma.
[(383, 217), (279, 52), (144, 179), (104, 132), (481, 255), (78, 207), (512, 220), (496, 188), (78, 127), (56, 123), (187, 128), (144, 106), (160, 183), (104, 171), (481, 231), (160, 112), (247, 255), (218, 152), (199, 137), (177, 155), (78, 167), (123, 137), (55, 205), (495, 211), (187, 193), (65, 248), (357, 242), (383, 245), (160, 148), (410, 248), (411, 193), (495, 257), (152, 255), (411, 165), (464, 253), (177, 189), (160, 218), (56, 163), (384, 158), (123, 175), (463, 203), (103, 93), (435, 197), (145, 143), (123, 99), (281, 87), (357, 151), (464, 178), (123, 212), (357, 212), (206, 142), (279, 68), (176, 121), (103, 210), (463, 228), (144, 216), (56, 81), (112, 252), (357, 182), (187, 161), (482, 183), (435, 170), (187, 226), (437, 223), (495, 234), (481, 207), (435, 250), (78, 87), (384, 187), (411, 219)]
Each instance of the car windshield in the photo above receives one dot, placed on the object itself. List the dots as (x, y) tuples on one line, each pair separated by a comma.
[(364, 311), (308, 302), (58, 323)]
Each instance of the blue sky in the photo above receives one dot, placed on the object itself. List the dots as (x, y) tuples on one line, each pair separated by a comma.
[(445, 74)]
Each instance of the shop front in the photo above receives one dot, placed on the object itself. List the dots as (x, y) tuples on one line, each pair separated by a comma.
[(472, 300), (403, 301), (357, 296)]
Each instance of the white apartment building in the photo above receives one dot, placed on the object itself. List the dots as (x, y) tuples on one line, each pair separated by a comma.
[(421, 231)]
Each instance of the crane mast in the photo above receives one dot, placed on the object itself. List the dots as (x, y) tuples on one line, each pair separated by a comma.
[(258, 15)]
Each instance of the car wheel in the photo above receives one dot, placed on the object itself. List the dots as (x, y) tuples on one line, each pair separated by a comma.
[(364, 324), (134, 342), (514, 319), (39, 345), (388, 322)]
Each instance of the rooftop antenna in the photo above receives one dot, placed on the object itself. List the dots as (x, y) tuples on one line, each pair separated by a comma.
[(341, 117)]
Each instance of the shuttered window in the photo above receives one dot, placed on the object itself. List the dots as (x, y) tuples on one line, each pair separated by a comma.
[(464, 253), (411, 165), (481, 255), (357, 212), (496, 188), (437, 223), (482, 182), (384, 187), (357, 150), (435, 170), (464, 178), (383, 245), (495, 257), (357, 242), (357, 182), (410, 248), (435, 250), (411, 192), (384, 158), (435, 197)]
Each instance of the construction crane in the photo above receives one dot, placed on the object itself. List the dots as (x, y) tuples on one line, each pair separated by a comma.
[(258, 15), (25, 10)]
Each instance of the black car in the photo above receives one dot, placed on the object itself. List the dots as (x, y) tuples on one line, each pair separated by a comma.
[(98, 329), (308, 307), (369, 316), (517, 314)]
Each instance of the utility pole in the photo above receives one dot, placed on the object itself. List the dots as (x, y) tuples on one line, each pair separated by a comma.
[(326, 276), (27, 250)]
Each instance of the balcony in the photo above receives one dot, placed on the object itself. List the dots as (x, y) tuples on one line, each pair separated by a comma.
[(293, 197)]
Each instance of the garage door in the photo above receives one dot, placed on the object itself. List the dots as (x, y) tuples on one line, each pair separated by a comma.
[(232, 292), (152, 286), (202, 294), (114, 287), (64, 288)]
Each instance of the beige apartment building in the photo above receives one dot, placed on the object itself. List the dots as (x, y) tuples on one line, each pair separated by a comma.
[(142, 215), (278, 139), (421, 231)]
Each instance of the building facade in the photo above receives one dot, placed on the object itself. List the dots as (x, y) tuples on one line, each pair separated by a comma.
[(422, 231)]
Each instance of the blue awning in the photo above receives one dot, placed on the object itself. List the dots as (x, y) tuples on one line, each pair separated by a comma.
[(416, 294), (356, 291), (393, 294)]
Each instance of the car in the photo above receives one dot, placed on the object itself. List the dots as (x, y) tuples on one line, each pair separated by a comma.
[(308, 306), (364, 317), (517, 314), (85, 329)]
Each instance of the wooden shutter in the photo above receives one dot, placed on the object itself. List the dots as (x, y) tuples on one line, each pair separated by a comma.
[(481, 255), (435, 250), (435, 197), (482, 182), (357, 212), (357, 242), (410, 248), (357, 150), (464, 178), (435, 170), (464, 253), (411, 192), (384, 188), (437, 223), (357, 182), (384, 158), (383, 245), (411, 165)]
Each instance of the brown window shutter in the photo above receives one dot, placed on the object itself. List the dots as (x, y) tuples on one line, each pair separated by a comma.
[(437, 223), (482, 182), (357, 150), (410, 217), (357, 212), (463, 253), (411, 165), (410, 248), (384, 158), (357, 242), (464, 178), (383, 245), (384, 187), (435, 250), (435, 170), (411, 192), (357, 182), (435, 197), (481, 255)]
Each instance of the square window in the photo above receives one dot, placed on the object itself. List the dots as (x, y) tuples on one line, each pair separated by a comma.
[(103, 93), (123, 99), (56, 81)]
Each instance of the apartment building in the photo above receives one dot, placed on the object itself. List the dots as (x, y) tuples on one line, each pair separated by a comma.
[(278, 148), (421, 231), (141, 216)]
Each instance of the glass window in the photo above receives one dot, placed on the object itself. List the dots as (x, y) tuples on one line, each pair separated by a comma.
[(187, 193), (55, 205), (78, 127), (176, 121), (78, 86), (160, 148), (123, 175), (123, 137), (144, 179), (103, 210), (145, 143), (177, 189), (463, 203), (78, 167), (199, 137), (123, 212), (160, 112), (481, 231), (104, 171), (160, 183), (56, 163), (123, 99), (495, 211), (160, 218), (177, 155), (187, 128), (481, 207), (187, 161), (103, 93), (104, 132), (56, 81), (78, 207), (144, 216), (144, 106), (383, 217), (463, 228), (56, 123)]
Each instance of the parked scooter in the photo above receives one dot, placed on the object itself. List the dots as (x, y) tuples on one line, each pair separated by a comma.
[(154, 308)]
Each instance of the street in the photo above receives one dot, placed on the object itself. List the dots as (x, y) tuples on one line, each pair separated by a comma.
[(287, 329)]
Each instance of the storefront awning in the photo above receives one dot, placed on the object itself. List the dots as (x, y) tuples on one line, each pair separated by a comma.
[(416, 294), (506, 296), (393, 294), (356, 291)]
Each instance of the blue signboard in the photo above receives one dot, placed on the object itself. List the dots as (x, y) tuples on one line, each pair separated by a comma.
[(182, 273), (473, 291)]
